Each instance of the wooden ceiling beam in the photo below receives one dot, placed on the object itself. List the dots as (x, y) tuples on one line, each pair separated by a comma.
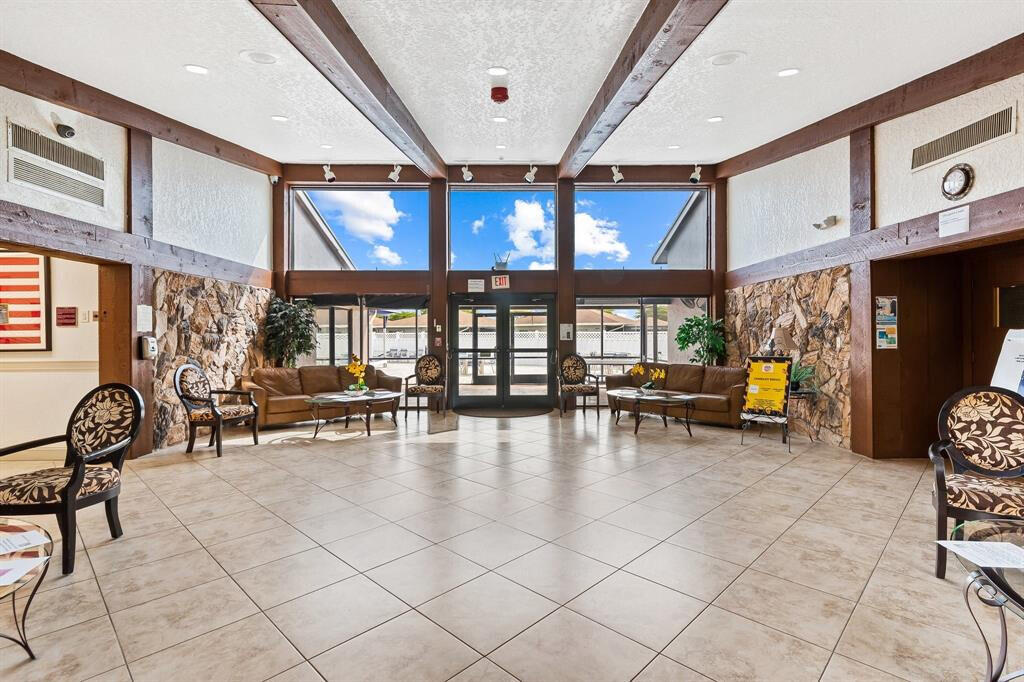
[(36, 81), (664, 31), (321, 34)]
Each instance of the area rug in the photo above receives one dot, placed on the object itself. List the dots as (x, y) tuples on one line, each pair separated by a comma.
[(497, 412)]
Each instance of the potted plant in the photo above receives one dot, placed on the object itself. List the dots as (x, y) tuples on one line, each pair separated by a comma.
[(357, 369), (705, 335), (798, 374), (290, 331)]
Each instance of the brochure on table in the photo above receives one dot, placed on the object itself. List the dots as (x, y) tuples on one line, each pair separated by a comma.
[(987, 554), (12, 570), (1009, 372), (15, 542)]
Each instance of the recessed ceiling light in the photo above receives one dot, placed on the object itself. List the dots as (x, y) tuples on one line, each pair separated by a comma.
[(257, 57), (715, 119), (196, 68), (726, 58), (499, 119), (327, 146), (673, 146), (500, 146), (786, 73), (279, 119), (497, 71)]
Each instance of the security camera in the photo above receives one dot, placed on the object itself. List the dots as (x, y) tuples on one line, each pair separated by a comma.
[(65, 131), (695, 175), (329, 175)]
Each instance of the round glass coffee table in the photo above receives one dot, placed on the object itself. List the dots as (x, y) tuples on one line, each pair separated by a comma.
[(28, 584), (998, 587), (361, 406), (633, 400)]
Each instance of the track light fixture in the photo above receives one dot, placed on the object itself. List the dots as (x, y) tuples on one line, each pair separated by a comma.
[(467, 175), (329, 174), (531, 174), (616, 175), (695, 175), (393, 175)]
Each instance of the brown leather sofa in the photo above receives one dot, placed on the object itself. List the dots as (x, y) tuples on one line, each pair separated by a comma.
[(282, 392), (719, 390)]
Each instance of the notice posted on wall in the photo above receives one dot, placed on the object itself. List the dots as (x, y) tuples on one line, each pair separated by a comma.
[(1009, 372), (886, 324)]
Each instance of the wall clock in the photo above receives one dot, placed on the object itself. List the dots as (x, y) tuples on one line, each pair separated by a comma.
[(957, 181)]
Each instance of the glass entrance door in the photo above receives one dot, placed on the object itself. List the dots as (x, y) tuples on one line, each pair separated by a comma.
[(503, 350)]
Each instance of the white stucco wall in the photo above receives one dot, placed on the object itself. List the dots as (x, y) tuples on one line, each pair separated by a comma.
[(93, 136), (772, 210), (212, 206), (999, 165), (38, 389)]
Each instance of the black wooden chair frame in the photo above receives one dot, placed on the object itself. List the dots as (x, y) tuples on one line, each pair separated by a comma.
[(69, 502), (219, 420), (440, 399), (944, 449), (563, 396)]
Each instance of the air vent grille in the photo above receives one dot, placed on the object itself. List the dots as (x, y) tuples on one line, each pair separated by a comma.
[(958, 141), (30, 173), (32, 142)]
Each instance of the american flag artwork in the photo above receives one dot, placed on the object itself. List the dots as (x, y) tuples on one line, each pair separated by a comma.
[(24, 301)]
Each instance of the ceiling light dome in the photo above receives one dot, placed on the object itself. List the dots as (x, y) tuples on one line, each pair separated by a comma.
[(727, 58), (257, 57), (499, 119), (715, 119), (497, 71), (786, 73), (197, 69)]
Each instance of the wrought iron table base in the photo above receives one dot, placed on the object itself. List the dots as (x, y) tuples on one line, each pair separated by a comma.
[(22, 639), (317, 426), (989, 595)]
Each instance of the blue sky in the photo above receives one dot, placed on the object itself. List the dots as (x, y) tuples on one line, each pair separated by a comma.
[(387, 230)]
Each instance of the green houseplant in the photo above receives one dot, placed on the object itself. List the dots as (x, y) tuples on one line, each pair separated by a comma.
[(290, 330), (705, 335), (798, 374)]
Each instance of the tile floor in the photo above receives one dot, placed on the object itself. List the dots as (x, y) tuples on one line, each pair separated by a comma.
[(536, 549)]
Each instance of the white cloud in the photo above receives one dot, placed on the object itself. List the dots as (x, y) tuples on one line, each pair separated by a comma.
[(584, 203), (478, 225), (385, 255), (531, 232), (536, 265), (596, 237), (367, 215)]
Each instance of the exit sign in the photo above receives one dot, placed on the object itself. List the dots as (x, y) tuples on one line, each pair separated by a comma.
[(499, 282)]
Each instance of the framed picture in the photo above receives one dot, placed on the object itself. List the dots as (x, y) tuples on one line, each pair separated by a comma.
[(766, 394), (24, 301)]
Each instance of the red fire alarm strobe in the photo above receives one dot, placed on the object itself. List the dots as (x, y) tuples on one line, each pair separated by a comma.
[(499, 93)]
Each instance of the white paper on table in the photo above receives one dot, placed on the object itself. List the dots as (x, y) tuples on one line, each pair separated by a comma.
[(987, 554), (15, 542), (13, 569)]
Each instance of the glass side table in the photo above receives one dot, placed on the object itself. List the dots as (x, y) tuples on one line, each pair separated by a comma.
[(33, 578), (1001, 588)]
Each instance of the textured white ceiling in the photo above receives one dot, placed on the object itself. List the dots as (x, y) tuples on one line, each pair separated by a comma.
[(847, 50), (435, 53), (136, 49)]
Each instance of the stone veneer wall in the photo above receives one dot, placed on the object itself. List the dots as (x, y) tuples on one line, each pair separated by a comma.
[(218, 324), (815, 309)]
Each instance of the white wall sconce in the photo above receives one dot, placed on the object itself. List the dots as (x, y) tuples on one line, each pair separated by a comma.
[(393, 175), (616, 175), (829, 221)]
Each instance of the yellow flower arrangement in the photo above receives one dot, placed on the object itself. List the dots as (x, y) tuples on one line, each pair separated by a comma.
[(357, 369), (657, 374), (637, 369)]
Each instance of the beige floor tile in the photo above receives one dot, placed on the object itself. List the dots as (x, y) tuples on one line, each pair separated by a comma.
[(568, 647), (204, 510), (588, 503), (127, 552), (650, 521), (811, 568), (259, 548), (764, 523), (314, 622), (725, 646), (842, 669), (75, 653), (625, 488), (339, 524), (233, 526), (55, 577), (135, 521), (539, 489), (910, 650), (437, 525), (116, 675), (839, 543), (496, 476), (607, 543), (308, 507), (377, 546), (664, 669), (813, 616), (555, 572), (251, 649), (772, 501), (864, 521), (721, 542), (689, 572), (493, 545), (682, 502), (303, 672), (162, 623), (546, 522), (409, 647), (293, 576), (53, 610), (496, 504), (483, 671), (368, 491), (160, 578), (488, 611), (425, 574), (403, 505), (644, 611)]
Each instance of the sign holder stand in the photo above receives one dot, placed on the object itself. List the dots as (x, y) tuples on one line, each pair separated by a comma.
[(778, 413)]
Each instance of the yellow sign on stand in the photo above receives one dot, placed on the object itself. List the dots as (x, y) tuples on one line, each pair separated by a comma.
[(767, 389)]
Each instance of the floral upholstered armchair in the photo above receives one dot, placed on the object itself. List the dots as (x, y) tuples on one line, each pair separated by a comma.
[(574, 380), (981, 434), (197, 395), (101, 429), (430, 383)]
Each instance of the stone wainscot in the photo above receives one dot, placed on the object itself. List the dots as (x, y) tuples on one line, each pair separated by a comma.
[(815, 309)]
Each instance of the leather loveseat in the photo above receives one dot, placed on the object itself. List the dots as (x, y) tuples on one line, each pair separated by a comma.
[(718, 390), (282, 392)]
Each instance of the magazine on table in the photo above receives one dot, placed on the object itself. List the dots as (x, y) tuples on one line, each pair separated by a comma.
[(12, 570), (16, 542)]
